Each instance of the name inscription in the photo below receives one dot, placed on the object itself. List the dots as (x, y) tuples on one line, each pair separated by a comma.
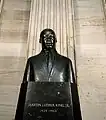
[(48, 105)]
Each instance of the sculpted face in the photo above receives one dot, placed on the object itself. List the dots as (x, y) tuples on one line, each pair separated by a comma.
[(48, 39)]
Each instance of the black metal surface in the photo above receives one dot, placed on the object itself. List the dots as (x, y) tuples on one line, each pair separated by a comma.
[(75, 102), (46, 103), (21, 101), (39, 95)]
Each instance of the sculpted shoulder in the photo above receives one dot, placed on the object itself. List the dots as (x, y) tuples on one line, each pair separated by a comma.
[(33, 58), (65, 59)]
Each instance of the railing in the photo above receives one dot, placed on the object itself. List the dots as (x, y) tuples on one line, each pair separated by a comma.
[(1, 5)]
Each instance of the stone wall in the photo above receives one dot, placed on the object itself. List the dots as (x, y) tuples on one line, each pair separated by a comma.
[(13, 39), (91, 57), (81, 31)]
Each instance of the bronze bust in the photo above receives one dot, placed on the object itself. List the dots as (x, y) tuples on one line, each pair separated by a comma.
[(48, 79), (48, 65)]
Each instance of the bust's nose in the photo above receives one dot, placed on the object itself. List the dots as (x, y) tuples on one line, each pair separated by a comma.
[(48, 40)]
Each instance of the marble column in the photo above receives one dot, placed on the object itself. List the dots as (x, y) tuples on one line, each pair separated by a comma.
[(54, 14)]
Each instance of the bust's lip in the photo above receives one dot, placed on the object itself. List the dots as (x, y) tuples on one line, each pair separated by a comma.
[(49, 43), (49, 46)]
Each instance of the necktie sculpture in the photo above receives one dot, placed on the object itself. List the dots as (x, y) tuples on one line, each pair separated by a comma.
[(49, 90)]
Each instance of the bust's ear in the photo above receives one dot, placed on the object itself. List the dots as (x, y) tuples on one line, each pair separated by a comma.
[(56, 39), (40, 40)]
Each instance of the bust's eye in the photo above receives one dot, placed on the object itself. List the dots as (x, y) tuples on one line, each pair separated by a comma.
[(44, 35), (51, 35)]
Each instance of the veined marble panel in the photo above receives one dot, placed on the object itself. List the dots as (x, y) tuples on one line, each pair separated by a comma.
[(17, 4), (7, 112), (8, 94), (91, 28), (8, 101), (13, 36), (91, 57), (88, 6), (15, 25), (92, 37), (13, 49), (14, 21), (21, 15), (11, 70), (15, 15)]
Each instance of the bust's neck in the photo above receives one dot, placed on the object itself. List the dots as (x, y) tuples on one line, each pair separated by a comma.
[(50, 52), (53, 51)]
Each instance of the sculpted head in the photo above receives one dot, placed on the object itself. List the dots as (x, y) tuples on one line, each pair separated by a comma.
[(48, 39)]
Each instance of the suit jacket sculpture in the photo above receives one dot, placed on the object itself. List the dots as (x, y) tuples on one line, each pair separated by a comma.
[(49, 66)]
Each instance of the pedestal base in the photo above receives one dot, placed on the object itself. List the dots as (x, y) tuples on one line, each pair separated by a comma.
[(48, 101)]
